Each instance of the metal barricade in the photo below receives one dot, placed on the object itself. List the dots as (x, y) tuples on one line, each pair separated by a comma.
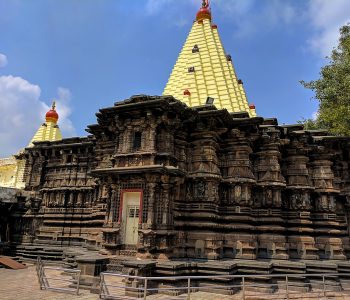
[(57, 279), (39, 272), (280, 286)]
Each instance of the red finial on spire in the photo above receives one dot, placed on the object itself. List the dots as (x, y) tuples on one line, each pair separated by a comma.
[(204, 12), (52, 115), (205, 3)]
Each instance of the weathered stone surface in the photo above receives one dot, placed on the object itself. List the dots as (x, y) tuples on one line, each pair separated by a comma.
[(212, 185), (8, 195)]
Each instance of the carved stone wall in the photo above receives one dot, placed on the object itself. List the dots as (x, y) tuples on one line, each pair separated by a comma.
[(212, 184)]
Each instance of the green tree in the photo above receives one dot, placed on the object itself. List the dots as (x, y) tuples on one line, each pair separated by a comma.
[(332, 90)]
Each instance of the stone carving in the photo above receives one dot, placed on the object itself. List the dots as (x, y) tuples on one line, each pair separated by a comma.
[(200, 189), (243, 187)]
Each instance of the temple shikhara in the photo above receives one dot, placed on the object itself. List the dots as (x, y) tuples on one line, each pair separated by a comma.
[(203, 69), (193, 175)]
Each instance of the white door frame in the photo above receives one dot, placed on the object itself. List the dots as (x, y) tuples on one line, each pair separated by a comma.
[(130, 198)]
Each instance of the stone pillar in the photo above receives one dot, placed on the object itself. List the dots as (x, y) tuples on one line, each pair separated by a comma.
[(110, 202), (152, 137), (80, 199), (204, 160), (30, 168), (297, 200), (60, 197), (126, 145), (165, 194), (150, 212), (329, 241), (45, 198), (268, 196), (180, 150)]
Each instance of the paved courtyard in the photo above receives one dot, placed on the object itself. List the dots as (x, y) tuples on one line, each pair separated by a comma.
[(23, 285)]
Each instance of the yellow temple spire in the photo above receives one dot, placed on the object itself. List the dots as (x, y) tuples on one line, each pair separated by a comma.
[(203, 69), (48, 131)]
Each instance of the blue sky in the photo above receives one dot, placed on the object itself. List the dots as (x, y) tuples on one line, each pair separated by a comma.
[(88, 54)]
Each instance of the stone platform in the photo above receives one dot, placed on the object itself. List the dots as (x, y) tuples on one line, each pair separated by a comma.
[(194, 267), (304, 282)]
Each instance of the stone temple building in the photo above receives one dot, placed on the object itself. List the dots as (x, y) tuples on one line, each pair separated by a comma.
[(192, 174)]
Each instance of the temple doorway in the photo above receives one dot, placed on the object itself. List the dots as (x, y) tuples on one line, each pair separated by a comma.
[(131, 215)]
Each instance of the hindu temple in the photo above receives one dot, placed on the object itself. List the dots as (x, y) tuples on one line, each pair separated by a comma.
[(193, 180)]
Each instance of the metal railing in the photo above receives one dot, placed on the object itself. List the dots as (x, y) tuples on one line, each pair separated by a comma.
[(118, 286), (58, 279)]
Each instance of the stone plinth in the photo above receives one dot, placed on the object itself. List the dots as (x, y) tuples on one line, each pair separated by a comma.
[(91, 266)]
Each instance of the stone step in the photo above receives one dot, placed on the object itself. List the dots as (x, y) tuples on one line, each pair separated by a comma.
[(43, 255), (41, 251), (77, 222), (16, 258), (46, 261), (30, 252), (38, 248), (59, 243), (61, 229)]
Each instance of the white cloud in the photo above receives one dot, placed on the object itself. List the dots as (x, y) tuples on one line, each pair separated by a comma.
[(326, 18), (3, 60), (22, 112)]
